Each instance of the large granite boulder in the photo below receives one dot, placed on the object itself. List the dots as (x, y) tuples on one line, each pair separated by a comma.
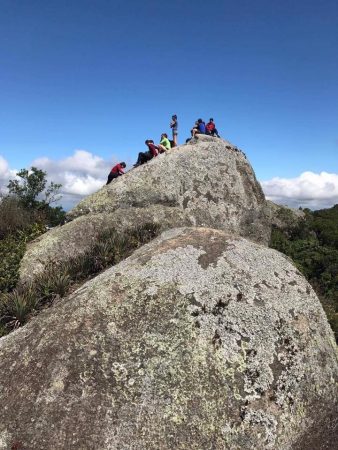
[(199, 340), (207, 182)]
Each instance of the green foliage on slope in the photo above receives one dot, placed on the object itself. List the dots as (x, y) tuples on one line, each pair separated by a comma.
[(12, 249), (17, 305), (313, 246), (26, 212)]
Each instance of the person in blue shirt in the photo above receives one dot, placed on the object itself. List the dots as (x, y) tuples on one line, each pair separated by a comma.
[(199, 128)]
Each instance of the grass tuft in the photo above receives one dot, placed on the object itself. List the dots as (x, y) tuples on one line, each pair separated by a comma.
[(18, 305)]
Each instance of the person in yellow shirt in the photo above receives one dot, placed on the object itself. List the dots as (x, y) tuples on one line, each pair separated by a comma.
[(164, 144)]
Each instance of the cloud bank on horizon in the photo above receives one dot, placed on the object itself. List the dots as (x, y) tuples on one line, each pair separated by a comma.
[(309, 190), (80, 174), (84, 173)]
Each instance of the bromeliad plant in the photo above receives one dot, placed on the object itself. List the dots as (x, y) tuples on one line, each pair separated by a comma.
[(17, 306), (24, 301)]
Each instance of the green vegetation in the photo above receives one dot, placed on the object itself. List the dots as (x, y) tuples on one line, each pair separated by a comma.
[(31, 185), (12, 249), (18, 305), (313, 246), (34, 197), (26, 213)]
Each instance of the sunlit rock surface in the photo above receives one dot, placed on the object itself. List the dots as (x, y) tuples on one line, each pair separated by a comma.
[(199, 340), (207, 182)]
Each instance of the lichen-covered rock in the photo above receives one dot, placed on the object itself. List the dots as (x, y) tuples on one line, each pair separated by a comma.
[(207, 178), (282, 217), (199, 340), (74, 238), (205, 183)]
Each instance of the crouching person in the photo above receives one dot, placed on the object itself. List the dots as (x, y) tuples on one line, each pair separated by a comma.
[(116, 171)]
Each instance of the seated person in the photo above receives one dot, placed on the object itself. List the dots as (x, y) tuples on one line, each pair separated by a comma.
[(116, 171), (199, 128), (152, 147), (194, 128), (164, 144), (211, 128), (143, 157)]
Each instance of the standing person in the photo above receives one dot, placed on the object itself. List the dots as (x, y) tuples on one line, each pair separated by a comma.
[(174, 127), (199, 128), (164, 144), (143, 157), (116, 171), (211, 128)]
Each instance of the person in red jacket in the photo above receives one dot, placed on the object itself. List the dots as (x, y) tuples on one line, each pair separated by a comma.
[(143, 157), (116, 171), (153, 149), (211, 128)]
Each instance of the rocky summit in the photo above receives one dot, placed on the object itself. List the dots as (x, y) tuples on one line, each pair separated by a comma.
[(207, 182), (199, 340)]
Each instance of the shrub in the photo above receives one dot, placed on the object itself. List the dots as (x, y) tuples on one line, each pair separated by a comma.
[(12, 249), (13, 217)]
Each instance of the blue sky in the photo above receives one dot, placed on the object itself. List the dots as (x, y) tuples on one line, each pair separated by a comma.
[(103, 76)]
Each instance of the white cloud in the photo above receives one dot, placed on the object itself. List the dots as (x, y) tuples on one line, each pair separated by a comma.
[(5, 174), (81, 163), (3, 167), (309, 189), (84, 173), (83, 184), (80, 174)]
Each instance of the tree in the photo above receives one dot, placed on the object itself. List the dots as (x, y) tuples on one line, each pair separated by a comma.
[(31, 186)]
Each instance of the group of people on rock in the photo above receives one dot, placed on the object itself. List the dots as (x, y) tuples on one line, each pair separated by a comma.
[(165, 144), (154, 150), (201, 128)]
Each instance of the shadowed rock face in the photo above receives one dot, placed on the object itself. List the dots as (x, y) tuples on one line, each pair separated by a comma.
[(283, 217), (205, 183), (199, 340)]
